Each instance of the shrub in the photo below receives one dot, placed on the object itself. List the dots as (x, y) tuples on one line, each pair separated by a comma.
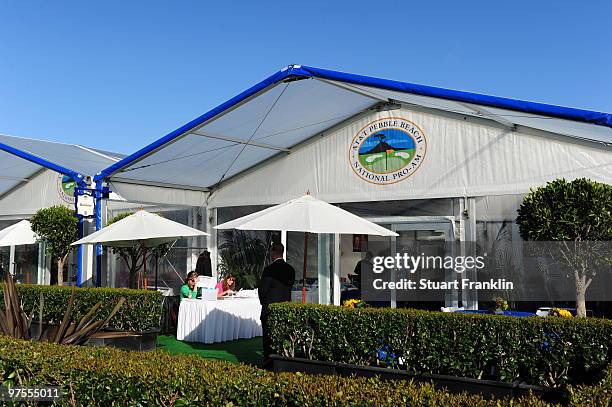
[(574, 212), (141, 311), (598, 395), (104, 377), (540, 351)]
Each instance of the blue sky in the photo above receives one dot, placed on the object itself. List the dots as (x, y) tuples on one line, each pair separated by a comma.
[(395, 138), (119, 74)]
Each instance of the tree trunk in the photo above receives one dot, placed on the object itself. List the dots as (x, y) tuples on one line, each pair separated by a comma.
[(132, 279), (580, 295), (60, 271)]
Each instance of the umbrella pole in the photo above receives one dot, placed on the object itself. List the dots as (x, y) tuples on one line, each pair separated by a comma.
[(304, 274), (144, 272), (156, 267)]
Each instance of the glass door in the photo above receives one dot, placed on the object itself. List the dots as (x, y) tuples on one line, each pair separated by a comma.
[(423, 241), (356, 255)]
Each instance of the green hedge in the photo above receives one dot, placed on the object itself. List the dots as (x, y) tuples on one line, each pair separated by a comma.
[(141, 311), (597, 395), (541, 351), (104, 377)]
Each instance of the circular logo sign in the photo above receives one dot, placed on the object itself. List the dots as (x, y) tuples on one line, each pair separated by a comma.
[(65, 188), (387, 151)]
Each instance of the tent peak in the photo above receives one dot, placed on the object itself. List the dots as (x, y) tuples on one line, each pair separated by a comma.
[(290, 67)]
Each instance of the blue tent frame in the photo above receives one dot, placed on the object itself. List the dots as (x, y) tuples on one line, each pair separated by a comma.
[(76, 176), (300, 71)]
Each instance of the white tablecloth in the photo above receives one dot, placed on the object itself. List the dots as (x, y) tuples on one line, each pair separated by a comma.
[(218, 321)]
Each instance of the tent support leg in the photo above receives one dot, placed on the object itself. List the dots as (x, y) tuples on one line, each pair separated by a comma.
[(98, 216), (79, 276)]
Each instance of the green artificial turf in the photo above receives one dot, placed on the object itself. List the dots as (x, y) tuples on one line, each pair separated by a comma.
[(243, 350)]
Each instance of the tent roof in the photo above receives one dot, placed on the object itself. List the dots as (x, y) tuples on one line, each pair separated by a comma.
[(21, 158), (299, 102)]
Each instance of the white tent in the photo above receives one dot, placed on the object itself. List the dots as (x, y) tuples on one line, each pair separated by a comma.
[(275, 118), (309, 215), (18, 234)]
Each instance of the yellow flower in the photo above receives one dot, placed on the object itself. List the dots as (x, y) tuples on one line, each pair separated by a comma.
[(350, 303), (561, 313)]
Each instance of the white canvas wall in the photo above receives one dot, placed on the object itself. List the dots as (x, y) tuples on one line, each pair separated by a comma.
[(463, 158), (154, 195), (41, 191)]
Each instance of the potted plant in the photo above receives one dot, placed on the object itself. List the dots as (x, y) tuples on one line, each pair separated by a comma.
[(354, 303), (501, 305)]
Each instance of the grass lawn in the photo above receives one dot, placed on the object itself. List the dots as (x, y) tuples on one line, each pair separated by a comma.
[(243, 350), (386, 161)]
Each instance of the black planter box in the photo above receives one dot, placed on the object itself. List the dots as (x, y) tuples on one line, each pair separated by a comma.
[(454, 384), (136, 341), (283, 364)]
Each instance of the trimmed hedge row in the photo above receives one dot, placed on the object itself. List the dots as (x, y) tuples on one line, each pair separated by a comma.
[(539, 351), (141, 311), (598, 395), (104, 377)]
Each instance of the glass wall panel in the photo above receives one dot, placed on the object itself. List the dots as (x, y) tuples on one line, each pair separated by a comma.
[(26, 264), (415, 207), (243, 253), (295, 257), (497, 236)]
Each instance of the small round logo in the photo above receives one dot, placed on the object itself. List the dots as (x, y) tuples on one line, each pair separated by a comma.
[(387, 151), (65, 188)]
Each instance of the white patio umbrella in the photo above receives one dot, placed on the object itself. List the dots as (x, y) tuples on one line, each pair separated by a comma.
[(18, 234), (308, 215), (147, 229)]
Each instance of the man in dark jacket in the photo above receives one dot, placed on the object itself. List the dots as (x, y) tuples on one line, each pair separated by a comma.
[(203, 266), (275, 286)]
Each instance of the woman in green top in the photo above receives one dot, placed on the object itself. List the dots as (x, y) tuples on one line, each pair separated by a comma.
[(189, 289)]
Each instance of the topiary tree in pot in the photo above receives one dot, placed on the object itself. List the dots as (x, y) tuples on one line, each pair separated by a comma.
[(58, 227), (578, 215)]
